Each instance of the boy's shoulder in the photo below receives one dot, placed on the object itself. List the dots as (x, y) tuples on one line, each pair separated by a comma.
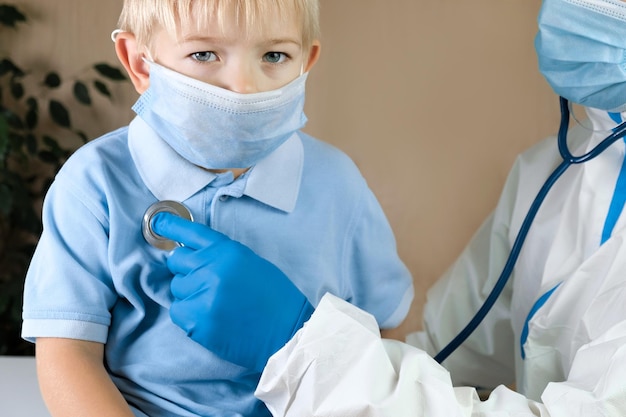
[(318, 152), (98, 164), (327, 166), (102, 150), (318, 145)]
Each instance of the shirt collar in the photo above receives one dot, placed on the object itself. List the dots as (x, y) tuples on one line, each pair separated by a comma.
[(274, 181)]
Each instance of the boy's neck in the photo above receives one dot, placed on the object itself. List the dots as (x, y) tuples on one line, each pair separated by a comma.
[(236, 171)]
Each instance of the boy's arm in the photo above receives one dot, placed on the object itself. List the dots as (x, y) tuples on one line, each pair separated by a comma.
[(74, 382)]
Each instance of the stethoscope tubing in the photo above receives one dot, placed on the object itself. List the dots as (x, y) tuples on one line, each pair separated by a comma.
[(568, 160)]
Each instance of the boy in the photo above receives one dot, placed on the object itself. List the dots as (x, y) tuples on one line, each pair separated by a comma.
[(218, 128)]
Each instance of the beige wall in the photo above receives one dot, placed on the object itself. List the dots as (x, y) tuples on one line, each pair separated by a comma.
[(431, 98)]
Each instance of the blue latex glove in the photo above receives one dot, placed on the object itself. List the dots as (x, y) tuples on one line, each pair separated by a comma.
[(227, 298)]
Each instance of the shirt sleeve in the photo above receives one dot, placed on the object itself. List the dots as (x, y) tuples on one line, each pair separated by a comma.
[(68, 292), (381, 283)]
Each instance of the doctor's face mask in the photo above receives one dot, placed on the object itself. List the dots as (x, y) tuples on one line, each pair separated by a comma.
[(216, 128), (581, 47)]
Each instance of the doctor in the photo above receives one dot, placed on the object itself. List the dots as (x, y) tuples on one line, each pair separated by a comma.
[(555, 342)]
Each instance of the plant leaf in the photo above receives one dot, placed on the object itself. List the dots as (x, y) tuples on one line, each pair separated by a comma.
[(82, 93), (59, 114), (10, 15), (6, 66), (109, 72), (4, 137), (82, 136), (45, 185), (31, 143), (102, 88), (15, 143), (31, 102), (50, 141), (49, 157), (14, 120), (17, 89), (6, 199), (31, 119), (32, 115), (52, 80)]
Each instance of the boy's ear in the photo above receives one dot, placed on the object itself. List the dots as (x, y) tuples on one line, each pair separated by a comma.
[(314, 54), (129, 54)]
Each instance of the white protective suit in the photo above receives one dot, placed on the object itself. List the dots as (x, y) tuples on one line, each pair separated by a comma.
[(573, 345)]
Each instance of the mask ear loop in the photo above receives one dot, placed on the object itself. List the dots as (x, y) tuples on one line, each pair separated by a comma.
[(115, 33), (148, 58)]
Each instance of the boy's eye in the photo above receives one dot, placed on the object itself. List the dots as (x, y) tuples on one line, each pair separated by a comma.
[(274, 57), (205, 56)]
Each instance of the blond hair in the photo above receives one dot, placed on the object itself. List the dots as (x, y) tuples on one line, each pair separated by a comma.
[(144, 17)]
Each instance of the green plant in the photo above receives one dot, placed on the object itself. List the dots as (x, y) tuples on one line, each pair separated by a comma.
[(31, 118)]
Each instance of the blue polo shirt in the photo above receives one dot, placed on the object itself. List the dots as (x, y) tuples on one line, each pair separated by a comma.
[(305, 207)]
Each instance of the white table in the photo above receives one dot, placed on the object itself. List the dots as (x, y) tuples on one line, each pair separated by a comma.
[(19, 390)]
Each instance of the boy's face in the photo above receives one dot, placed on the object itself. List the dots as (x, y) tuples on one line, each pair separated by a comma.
[(229, 58)]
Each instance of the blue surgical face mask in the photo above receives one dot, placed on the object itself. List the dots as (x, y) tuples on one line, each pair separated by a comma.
[(581, 47), (216, 128)]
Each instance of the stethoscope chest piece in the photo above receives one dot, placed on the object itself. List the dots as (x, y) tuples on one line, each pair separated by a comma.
[(165, 206)]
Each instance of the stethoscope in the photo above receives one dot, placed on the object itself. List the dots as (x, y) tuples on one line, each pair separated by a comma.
[(163, 206), (568, 160)]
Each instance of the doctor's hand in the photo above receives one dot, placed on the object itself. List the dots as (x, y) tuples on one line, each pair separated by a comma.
[(226, 297)]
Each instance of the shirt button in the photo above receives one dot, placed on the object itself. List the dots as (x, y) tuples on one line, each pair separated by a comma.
[(223, 197)]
